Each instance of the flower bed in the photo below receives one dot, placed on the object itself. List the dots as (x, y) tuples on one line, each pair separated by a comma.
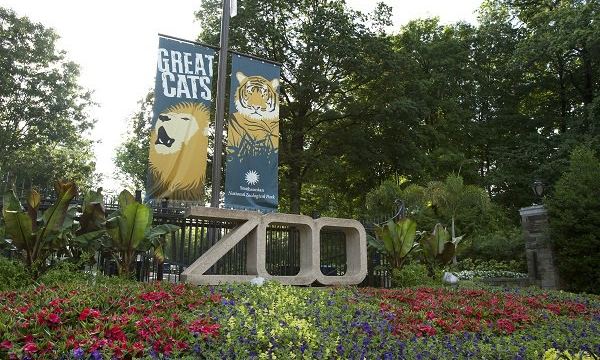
[(125, 320)]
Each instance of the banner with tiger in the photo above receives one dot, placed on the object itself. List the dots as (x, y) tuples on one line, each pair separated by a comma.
[(253, 135), (179, 136)]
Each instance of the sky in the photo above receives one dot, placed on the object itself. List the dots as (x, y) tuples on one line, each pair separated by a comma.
[(114, 43)]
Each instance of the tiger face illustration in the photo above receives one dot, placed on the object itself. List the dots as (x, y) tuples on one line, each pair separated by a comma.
[(256, 97), (254, 127), (178, 144)]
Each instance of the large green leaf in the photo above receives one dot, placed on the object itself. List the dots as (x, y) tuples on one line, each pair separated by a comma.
[(55, 215), (159, 230), (10, 202), (447, 253), (69, 220), (18, 228), (136, 218), (33, 203), (89, 240), (440, 237), (375, 243), (93, 213), (125, 199), (406, 236), (114, 231)]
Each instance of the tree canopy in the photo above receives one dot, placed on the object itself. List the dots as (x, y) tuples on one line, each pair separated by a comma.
[(501, 103), (43, 110)]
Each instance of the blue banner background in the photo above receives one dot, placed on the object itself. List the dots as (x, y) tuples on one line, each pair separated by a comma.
[(182, 103), (251, 181)]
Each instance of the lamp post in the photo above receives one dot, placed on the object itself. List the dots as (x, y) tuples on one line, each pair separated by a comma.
[(220, 105), (538, 188)]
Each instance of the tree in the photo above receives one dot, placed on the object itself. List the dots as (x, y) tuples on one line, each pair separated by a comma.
[(43, 110), (574, 212), (318, 75), (132, 155), (452, 198)]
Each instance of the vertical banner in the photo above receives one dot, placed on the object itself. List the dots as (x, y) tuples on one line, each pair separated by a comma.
[(182, 102), (252, 135)]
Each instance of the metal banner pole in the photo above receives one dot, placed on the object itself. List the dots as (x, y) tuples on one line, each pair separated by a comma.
[(220, 111)]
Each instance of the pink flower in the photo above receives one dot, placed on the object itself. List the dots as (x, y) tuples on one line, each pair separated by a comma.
[(53, 318), (30, 347), (6, 345)]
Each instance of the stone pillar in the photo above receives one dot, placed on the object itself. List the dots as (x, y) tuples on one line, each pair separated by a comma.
[(540, 257)]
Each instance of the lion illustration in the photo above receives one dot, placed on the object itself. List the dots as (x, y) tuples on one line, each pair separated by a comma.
[(254, 127), (178, 144)]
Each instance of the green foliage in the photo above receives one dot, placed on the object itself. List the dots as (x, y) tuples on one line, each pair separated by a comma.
[(37, 237), (574, 211), (438, 248), (130, 231), (13, 275), (500, 246), (413, 274), (43, 117), (553, 354), (131, 157), (452, 197), (382, 201), (488, 265), (65, 272), (396, 240)]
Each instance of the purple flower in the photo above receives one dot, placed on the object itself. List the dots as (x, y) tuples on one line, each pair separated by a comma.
[(96, 355), (78, 353)]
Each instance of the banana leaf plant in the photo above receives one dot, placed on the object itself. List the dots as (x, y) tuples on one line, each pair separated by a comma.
[(37, 236), (438, 247), (88, 232), (131, 232), (395, 240)]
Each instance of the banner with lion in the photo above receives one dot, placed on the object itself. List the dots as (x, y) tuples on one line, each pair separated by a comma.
[(179, 136), (253, 135)]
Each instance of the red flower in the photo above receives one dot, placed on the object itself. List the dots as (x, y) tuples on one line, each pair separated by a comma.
[(53, 318), (201, 326), (425, 330), (87, 312), (155, 296), (138, 346), (30, 347), (115, 333), (6, 345), (505, 325), (216, 298)]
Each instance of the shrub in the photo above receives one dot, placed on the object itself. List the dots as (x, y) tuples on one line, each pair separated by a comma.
[(412, 275), (64, 272), (13, 275), (574, 211), (489, 265), (500, 245)]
